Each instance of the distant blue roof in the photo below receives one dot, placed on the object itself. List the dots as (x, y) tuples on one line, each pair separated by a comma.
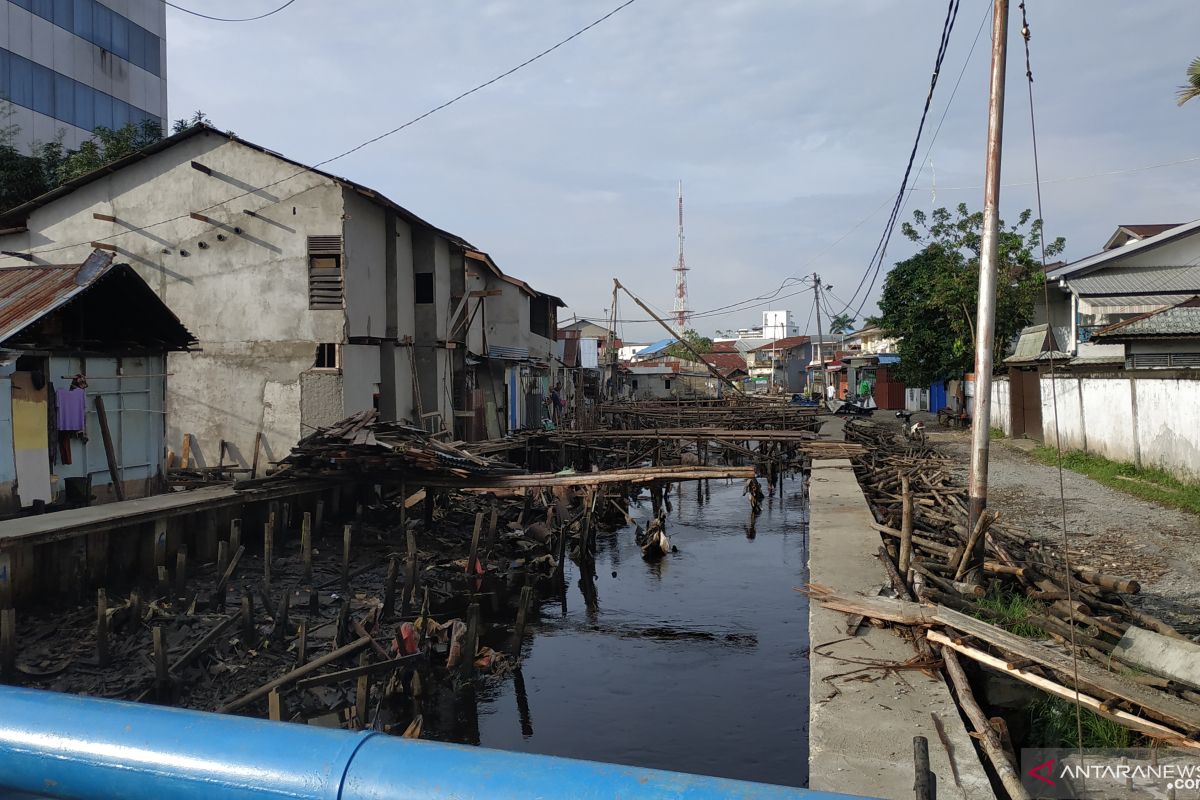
[(651, 349)]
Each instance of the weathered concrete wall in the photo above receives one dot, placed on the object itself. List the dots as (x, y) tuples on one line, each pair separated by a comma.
[(320, 399), (244, 295), (1168, 424), (1001, 411), (1142, 420)]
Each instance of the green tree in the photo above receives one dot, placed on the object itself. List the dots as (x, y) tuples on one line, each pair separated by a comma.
[(47, 165), (929, 300), (842, 323), (701, 344), (198, 118), (1191, 89)]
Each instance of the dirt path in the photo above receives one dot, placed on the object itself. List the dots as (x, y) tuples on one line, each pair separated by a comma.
[(1116, 533)]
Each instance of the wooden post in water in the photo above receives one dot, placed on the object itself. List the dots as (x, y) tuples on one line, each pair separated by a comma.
[(222, 565), (249, 633), (389, 589), (268, 554), (473, 555), (306, 544), (8, 644), (522, 618), (181, 571), (162, 678), (471, 641), (347, 532), (302, 645), (101, 628), (362, 693), (275, 706)]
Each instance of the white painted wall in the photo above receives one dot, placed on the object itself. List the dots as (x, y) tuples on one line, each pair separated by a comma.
[(1001, 410), (1141, 420), (1168, 424)]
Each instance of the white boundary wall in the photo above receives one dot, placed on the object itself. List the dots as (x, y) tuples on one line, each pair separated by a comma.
[(1001, 411), (1152, 422)]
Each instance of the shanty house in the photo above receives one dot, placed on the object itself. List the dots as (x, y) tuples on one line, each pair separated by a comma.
[(313, 296), (83, 377)]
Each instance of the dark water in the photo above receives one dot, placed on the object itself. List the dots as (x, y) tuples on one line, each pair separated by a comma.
[(698, 663)]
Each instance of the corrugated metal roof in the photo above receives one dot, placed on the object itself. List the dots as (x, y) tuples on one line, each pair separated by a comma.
[(29, 293), (1036, 344), (1129, 281), (1177, 321)]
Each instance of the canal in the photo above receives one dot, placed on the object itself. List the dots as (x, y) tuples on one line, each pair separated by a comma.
[(696, 663)]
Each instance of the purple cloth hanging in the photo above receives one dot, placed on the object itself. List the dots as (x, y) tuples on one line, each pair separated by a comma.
[(72, 409)]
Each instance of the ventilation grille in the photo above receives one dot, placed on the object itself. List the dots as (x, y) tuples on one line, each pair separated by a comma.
[(325, 245), (324, 282), (1185, 359)]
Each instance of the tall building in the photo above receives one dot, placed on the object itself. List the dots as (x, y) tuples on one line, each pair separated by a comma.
[(71, 66)]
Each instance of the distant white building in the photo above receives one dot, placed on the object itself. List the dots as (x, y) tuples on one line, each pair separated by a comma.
[(775, 325)]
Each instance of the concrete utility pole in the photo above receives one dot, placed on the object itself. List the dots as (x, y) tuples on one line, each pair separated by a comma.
[(985, 322), (820, 336)]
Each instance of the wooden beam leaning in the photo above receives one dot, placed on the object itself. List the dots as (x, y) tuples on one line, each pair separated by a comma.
[(294, 675)]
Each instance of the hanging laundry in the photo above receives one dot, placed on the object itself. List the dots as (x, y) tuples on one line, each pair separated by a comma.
[(72, 409)]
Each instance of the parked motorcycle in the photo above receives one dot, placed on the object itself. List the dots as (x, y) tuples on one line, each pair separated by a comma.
[(913, 431)]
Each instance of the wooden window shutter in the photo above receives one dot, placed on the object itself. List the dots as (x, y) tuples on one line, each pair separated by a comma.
[(325, 284)]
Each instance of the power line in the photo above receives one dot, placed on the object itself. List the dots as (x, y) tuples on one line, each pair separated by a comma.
[(877, 258), (227, 19), (358, 147)]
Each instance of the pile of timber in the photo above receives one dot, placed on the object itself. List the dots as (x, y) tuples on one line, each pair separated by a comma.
[(361, 444), (1132, 668)]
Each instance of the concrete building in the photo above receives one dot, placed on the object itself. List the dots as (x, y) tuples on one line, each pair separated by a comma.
[(313, 297), (70, 66), (70, 336), (1142, 268)]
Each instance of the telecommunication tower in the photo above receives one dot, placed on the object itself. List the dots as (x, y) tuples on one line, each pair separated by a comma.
[(681, 297)]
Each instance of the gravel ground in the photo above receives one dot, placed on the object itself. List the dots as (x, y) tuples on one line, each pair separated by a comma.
[(1113, 532)]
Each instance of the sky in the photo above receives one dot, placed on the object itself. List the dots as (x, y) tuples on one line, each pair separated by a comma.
[(789, 123)]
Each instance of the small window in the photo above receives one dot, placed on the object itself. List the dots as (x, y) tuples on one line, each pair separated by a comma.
[(325, 272), (667, 383), (633, 384), (327, 356), (423, 287)]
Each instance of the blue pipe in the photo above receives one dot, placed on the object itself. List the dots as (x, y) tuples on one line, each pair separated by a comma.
[(65, 746)]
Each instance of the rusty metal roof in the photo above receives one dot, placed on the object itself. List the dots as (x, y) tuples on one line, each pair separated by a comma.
[(29, 293)]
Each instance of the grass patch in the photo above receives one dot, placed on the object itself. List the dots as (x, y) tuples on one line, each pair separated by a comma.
[(1149, 483), (996, 433), (1053, 725), (1010, 611)]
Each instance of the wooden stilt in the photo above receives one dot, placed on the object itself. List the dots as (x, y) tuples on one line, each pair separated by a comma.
[(249, 632), (235, 535), (275, 706), (306, 544), (362, 694), (162, 677), (181, 571), (101, 628), (8, 644), (473, 556), (471, 642), (302, 645), (522, 617), (347, 533), (389, 590), (268, 554)]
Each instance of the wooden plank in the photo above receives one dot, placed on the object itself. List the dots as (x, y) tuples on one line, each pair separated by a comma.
[(1091, 677), (355, 672), (45, 528), (1128, 720), (110, 455)]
